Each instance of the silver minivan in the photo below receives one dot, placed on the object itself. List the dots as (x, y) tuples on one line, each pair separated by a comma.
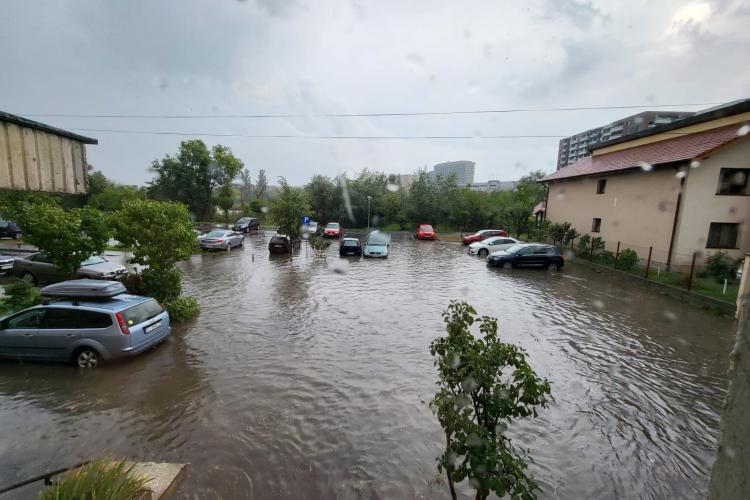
[(85, 330)]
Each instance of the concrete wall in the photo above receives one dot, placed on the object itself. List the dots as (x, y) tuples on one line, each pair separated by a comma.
[(702, 205), (33, 160), (637, 208)]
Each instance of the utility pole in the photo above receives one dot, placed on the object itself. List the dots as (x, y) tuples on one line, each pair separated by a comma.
[(369, 199)]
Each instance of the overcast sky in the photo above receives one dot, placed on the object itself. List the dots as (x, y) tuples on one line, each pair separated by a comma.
[(338, 56)]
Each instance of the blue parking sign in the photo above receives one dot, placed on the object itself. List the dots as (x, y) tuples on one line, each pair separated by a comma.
[(306, 220)]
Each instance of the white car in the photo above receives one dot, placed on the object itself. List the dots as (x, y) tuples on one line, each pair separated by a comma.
[(485, 247)]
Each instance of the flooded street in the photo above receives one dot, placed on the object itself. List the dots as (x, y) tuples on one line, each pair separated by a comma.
[(310, 378)]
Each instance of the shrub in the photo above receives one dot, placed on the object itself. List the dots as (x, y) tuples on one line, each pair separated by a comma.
[(18, 296), (584, 244), (606, 257), (721, 266), (182, 308), (570, 235), (627, 260), (97, 480), (598, 244), (484, 385), (319, 243), (162, 284)]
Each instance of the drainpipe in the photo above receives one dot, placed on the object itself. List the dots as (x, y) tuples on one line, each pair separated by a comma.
[(546, 204), (675, 222)]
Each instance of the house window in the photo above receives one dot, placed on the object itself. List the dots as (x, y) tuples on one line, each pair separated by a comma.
[(596, 225), (734, 181), (601, 185), (722, 235)]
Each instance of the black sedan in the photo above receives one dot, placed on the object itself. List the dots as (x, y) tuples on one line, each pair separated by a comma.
[(527, 255), (281, 243), (350, 246), (246, 224)]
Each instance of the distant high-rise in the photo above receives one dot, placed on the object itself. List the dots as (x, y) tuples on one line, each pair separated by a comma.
[(463, 170), (577, 146)]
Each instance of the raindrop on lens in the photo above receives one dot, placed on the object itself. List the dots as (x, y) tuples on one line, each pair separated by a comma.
[(264, 209), (645, 166), (339, 266), (598, 304), (681, 174), (392, 187), (743, 130), (729, 452), (695, 164), (670, 315), (613, 370)]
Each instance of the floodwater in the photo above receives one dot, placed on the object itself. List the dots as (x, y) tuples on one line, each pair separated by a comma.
[(310, 378)]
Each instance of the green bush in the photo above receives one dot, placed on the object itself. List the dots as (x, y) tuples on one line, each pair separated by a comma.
[(606, 258), (182, 308), (18, 296), (627, 260), (162, 284), (598, 244), (319, 243), (721, 266), (99, 479), (584, 244)]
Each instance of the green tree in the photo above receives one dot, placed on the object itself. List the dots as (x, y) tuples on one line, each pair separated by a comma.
[(68, 236), (246, 188), (484, 386), (225, 200), (325, 198), (261, 184), (160, 234), (109, 196), (289, 208), (192, 175)]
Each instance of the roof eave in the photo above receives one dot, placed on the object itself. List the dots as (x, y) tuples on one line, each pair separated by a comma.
[(25, 122)]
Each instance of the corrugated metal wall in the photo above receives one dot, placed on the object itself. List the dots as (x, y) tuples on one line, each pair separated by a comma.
[(32, 160)]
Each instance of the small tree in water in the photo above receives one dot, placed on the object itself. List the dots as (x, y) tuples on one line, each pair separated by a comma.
[(484, 385)]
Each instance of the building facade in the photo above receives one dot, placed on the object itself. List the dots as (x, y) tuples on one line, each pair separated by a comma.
[(38, 157), (677, 190), (463, 170), (578, 146), (493, 186)]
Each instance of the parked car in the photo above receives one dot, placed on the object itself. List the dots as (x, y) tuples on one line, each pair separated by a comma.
[(333, 230), (350, 246), (88, 322), (527, 255), (246, 224), (221, 239), (313, 228), (425, 232), (377, 244), (38, 268), (9, 229), (6, 263), (482, 235), (485, 247), (281, 243)]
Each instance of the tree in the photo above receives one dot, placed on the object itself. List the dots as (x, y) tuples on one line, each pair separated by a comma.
[(246, 188), (109, 196), (325, 198), (289, 208), (225, 200), (261, 185), (192, 175), (484, 385), (160, 234)]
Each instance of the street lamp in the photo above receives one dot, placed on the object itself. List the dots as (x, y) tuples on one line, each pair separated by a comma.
[(369, 199)]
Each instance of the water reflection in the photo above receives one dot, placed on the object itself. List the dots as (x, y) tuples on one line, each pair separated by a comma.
[(300, 382)]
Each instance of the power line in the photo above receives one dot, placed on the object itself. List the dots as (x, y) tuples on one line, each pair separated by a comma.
[(369, 115)]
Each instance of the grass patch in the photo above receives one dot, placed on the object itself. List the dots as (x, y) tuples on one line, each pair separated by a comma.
[(98, 480)]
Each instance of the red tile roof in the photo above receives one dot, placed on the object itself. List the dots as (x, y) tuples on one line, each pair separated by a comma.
[(681, 148)]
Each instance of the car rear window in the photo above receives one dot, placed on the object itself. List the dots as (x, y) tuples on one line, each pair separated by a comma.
[(142, 312), (64, 318), (278, 239), (350, 243)]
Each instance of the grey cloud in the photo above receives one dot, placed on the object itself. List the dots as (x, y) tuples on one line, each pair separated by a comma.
[(278, 8), (582, 14)]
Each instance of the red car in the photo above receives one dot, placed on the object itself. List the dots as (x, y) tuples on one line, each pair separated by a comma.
[(482, 235), (333, 230), (425, 232)]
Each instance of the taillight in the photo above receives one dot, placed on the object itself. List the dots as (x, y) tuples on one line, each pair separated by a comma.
[(123, 325)]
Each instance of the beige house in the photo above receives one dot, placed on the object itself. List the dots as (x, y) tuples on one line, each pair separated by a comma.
[(38, 157), (678, 189)]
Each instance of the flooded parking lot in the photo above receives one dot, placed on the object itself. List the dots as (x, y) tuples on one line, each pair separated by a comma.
[(310, 378)]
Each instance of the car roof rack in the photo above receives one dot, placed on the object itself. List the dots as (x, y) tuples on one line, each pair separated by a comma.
[(84, 289)]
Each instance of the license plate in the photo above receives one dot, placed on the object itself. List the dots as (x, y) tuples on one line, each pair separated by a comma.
[(277, 246), (153, 327)]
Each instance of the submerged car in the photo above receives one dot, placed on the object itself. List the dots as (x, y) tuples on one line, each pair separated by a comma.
[(9, 229), (86, 322), (350, 246), (485, 247), (221, 239), (527, 255), (425, 232), (246, 224), (332, 230), (281, 243), (482, 235), (377, 244), (6, 263), (313, 228), (38, 268)]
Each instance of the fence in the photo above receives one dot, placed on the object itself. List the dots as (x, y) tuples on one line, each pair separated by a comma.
[(720, 280)]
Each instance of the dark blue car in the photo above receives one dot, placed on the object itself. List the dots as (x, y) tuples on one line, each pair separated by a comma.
[(527, 255)]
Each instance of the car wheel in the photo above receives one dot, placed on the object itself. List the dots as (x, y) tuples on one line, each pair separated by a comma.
[(558, 267), (17, 236), (501, 264), (547, 266), (242, 242), (28, 278), (87, 358), (229, 247), (483, 252)]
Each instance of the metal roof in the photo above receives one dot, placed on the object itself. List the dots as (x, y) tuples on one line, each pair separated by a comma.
[(24, 122), (681, 148)]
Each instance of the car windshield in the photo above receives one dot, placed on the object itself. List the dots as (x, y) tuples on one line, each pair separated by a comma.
[(278, 239), (514, 248), (94, 259), (425, 227), (243, 220), (332, 225), (216, 234)]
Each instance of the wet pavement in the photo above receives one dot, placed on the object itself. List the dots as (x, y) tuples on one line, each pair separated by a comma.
[(310, 378)]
